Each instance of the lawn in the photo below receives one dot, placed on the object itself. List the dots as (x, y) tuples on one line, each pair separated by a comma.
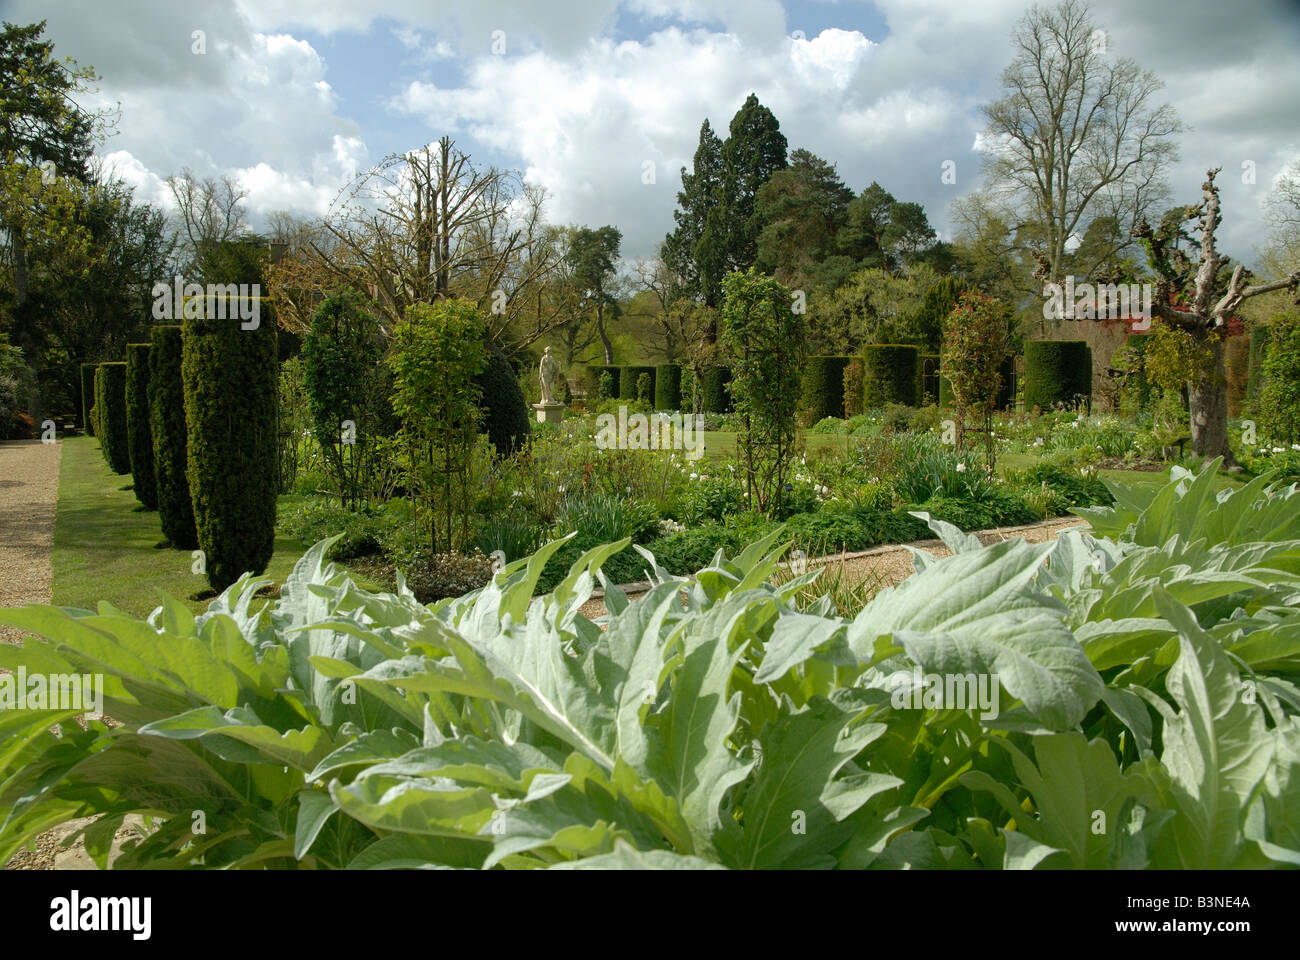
[(107, 547)]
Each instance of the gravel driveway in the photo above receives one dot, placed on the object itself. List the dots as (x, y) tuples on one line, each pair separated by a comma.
[(29, 487)]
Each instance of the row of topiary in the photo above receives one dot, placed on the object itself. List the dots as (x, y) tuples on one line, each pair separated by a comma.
[(664, 385), (192, 416), (1056, 371)]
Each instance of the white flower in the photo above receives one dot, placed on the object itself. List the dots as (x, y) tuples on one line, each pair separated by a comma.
[(961, 468), (695, 476)]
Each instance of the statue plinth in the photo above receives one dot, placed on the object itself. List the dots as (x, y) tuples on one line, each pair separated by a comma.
[(549, 412)]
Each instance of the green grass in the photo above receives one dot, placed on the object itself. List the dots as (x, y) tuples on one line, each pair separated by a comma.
[(106, 546)]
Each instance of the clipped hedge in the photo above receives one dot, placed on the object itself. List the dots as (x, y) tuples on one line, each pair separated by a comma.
[(110, 398), (594, 371), (1056, 371), (87, 397), (139, 435), (627, 379), (890, 375), (1006, 398), (717, 392), (505, 410), (167, 428), (668, 387), (853, 374), (821, 391), (231, 378)]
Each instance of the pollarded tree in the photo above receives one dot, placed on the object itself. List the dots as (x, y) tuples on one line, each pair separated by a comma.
[(1198, 297), (766, 338)]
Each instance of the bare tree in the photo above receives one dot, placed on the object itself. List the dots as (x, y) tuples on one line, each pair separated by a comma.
[(1205, 308), (208, 212), (1077, 136)]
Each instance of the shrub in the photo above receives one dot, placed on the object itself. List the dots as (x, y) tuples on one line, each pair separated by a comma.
[(716, 393), (514, 535), (960, 512), (139, 435), (505, 411), (1279, 398), (712, 497), (1076, 490), (629, 378), (644, 393), (897, 417), (821, 389), (668, 387), (855, 528), (8, 406), (436, 576), (829, 425), (853, 374), (1056, 371), (889, 375), (230, 377), (87, 397), (606, 390), (110, 393), (168, 432), (318, 519)]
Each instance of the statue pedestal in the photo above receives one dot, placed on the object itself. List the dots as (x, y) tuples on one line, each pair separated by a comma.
[(549, 412)]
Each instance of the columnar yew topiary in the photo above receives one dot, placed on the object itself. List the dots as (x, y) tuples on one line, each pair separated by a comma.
[(890, 374), (1056, 371), (167, 427), (505, 410), (668, 387), (87, 397), (139, 435), (854, 372), (627, 381), (716, 390), (973, 355), (111, 400), (821, 390), (230, 376)]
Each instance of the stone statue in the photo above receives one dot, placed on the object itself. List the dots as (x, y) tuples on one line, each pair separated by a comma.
[(549, 372)]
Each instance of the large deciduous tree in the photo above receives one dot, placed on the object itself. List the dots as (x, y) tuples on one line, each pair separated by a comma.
[(594, 256), (1198, 296), (1077, 135)]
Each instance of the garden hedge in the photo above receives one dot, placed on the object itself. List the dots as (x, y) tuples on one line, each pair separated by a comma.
[(668, 387), (505, 410), (821, 390), (1056, 371), (627, 379), (1258, 349), (87, 397), (594, 370), (890, 375), (717, 395), (853, 374), (167, 426), (139, 436), (110, 398), (231, 379), (931, 384)]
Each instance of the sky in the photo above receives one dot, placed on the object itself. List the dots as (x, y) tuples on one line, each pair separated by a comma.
[(589, 97)]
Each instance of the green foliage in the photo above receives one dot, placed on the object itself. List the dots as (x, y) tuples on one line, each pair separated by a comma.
[(342, 728), (354, 533), (716, 393), (87, 397), (139, 434), (766, 339), (168, 432), (974, 349), (437, 358), (230, 377), (340, 367), (940, 299), (628, 379), (668, 387), (514, 535), (436, 576), (505, 411), (822, 388), (110, 399), (644, 388), (1279, 398), (854, 375), (889, 375), (1056, 372), (607, 389)]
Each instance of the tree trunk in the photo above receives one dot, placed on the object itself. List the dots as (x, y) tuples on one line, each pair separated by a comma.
[(600, 328), (1207, 399)]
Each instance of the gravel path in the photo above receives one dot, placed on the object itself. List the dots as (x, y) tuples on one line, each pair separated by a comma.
[(29, 487), (891, 564)]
